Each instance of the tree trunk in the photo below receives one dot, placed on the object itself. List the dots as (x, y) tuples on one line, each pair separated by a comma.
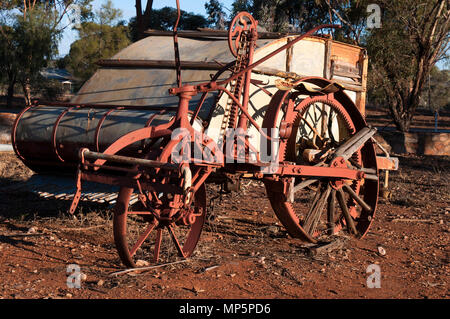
[(10, 93), (143, 18), (403, 124), (402, 112), (27, 92)]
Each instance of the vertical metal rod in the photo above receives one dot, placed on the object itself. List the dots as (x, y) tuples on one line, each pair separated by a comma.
[(386, 179), (175, 44)]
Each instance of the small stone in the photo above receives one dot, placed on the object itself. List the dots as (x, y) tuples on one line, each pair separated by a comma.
[(322, 270), (441, 222), (68, 295), (273, 230), (163, 277), (83, 277), (142, 263), (100, 282), (381, 251), (232, 275), (197, 289), (31, 230), (35, 271)]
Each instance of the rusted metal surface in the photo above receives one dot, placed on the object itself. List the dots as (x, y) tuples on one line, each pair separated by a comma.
[(211, 34), (135, 150), (55, 134), (160, 64), (126, 160), (387, 163)]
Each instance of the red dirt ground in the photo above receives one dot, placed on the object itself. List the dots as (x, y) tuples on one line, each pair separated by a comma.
[(254, 256)]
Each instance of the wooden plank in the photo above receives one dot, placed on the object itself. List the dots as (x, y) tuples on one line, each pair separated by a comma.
[(361, 97), (327, 63), (384, 163)]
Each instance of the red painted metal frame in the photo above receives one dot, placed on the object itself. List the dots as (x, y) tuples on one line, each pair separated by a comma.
[(14, 131), (99, 126), (55, 128), (186, 92)]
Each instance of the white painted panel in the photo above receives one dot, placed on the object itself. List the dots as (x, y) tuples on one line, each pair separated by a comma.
[(309, 58)]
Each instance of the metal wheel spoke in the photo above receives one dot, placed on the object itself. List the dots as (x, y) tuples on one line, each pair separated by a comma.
[(304, 184), (324, 125), (330, 126), (313, 128), (311, 212), (176, 242), (358, 199), (142, 238), (331, 212), (313, 217), (348, 218), (157, 245)]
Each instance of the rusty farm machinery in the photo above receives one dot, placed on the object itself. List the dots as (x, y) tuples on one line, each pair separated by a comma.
[(287, 110)]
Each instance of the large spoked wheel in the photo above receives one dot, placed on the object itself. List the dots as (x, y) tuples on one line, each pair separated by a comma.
[(316, 208), (164, 225), (139, 235)]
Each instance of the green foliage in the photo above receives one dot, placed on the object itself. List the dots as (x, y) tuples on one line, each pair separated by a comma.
[(49, 90), (436, 92), (283, 15), (29, 42), (241, 5), (216, 15), (165, 18), (29, 34), (99, 39), (413, 37), (35, 42)]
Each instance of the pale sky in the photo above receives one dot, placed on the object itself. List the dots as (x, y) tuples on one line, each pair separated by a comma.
[(129, 11)]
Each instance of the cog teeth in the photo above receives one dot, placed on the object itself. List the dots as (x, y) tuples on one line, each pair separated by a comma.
[(339, 109)]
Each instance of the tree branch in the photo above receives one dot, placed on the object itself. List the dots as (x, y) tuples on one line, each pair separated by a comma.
[(148, 8), (344, 21)]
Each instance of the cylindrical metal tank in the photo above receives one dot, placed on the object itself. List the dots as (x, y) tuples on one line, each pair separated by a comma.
[(54, 135)]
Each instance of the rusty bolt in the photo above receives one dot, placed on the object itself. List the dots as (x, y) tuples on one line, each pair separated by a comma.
[(259, 175)]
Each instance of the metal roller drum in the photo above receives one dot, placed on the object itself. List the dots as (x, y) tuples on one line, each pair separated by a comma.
[(48, 137)]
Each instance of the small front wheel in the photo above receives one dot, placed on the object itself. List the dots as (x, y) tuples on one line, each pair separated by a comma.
[(140, 235)]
